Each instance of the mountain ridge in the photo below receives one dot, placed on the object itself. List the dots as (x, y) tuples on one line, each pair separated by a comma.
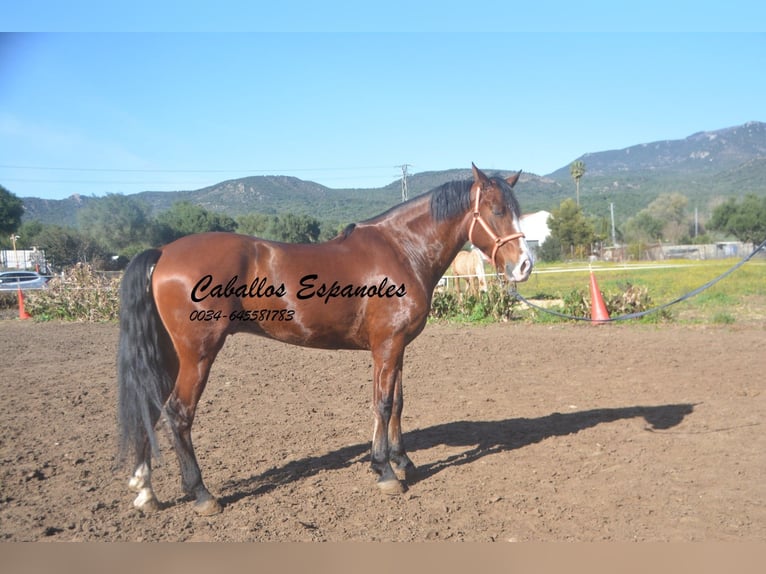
[(707, 165), (704, 150)]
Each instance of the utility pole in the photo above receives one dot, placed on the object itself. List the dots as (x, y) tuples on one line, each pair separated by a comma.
[(405, 193), (614, 239), (696, 222)]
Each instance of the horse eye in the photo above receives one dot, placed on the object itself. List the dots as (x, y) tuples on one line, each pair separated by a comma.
[(498, 211)]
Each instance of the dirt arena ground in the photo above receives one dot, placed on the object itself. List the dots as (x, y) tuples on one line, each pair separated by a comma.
[(520, 432)]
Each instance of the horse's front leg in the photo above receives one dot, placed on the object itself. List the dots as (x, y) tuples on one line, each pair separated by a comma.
[(387, 371)]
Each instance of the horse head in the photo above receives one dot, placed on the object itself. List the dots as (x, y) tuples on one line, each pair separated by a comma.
[(495, 227)]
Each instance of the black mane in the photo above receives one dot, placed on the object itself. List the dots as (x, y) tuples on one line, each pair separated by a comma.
[(454, 198), (451, 199)]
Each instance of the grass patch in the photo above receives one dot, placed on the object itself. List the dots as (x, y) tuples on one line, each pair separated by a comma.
[(728, 301), (723, 318)]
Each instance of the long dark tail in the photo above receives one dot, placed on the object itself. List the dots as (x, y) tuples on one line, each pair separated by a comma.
[(143, 380)]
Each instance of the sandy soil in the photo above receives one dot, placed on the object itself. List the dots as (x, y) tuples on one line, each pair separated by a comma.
[(521, 432)]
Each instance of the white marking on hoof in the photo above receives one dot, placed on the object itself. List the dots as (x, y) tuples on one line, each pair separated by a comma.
[(146, 500), (135, 484), (141, 483), (141, 478)]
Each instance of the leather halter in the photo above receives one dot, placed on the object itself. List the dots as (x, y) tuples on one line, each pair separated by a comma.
[(498, 241)]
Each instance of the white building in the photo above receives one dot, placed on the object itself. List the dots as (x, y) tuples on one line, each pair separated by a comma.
[(535, 228), (22, 258)]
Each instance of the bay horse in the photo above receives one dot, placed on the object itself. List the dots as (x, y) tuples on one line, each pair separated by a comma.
[(368, 288), (469, 265)]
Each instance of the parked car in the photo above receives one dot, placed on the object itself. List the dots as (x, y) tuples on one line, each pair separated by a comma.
[(12, 280)]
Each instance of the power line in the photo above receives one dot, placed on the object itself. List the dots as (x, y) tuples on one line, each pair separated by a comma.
[(99, 176), (125, 170)]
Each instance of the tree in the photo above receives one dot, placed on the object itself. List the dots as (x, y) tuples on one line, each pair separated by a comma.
[(665, 218), (290, 228), (28, 232), (571, 229), (121, 224), (577, 170), (63, 246), (746, 221), (297, 229), (256, 224), (669, 207), (550, 250), (643, 227), (11, 210), (185, 218)]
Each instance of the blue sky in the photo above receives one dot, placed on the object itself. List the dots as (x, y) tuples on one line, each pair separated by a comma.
[(98, 110)]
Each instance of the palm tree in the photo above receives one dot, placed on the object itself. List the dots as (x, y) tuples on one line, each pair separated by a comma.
[(577, 170)]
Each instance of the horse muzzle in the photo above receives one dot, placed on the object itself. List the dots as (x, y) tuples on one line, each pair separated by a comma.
[(522, 270)]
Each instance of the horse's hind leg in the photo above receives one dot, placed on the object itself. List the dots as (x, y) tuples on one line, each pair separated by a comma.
[(181, 408), (141, 480), (141, 483)]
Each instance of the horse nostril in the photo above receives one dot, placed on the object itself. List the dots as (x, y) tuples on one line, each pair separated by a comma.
[(523, 270), (526, 267)]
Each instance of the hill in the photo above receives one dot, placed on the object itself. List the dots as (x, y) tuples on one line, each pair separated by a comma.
[(282, 194), (703, 152), (706, 167)]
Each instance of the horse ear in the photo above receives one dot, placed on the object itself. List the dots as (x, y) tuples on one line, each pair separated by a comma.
[(511, 180), (478, 175)]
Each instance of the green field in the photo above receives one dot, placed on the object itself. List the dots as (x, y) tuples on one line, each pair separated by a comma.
[(738, 298)]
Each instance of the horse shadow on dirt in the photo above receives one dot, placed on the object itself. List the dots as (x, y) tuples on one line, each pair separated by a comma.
[(485, 438)]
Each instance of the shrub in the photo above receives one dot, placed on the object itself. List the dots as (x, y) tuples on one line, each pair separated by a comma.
[(80, 294), (632, 299), (496, 304), (8, 300), (576, 303), (444, 305), (629, 299)]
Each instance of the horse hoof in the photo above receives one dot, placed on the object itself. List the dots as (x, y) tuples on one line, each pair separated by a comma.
[(147, 505), (392, 487), (207, 507)]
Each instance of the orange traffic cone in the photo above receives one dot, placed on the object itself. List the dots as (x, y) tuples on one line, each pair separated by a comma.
[(598, 312), (22, 313)]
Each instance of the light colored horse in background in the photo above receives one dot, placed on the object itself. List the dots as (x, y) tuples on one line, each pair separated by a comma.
[(469, 266)]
